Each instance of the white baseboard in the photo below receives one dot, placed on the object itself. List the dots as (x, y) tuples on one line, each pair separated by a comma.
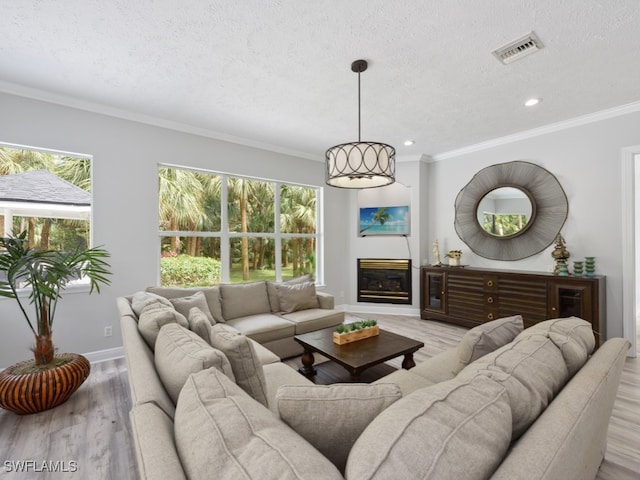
[(104, 355)]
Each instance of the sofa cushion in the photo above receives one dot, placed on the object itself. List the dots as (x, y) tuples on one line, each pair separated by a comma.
[(222, 433), (278, 374), (486, 338), (199, 324), (272, 291), (185, 304), (264, 327), (450, 430), (265, 356), (244, 361), (154, 317), (573, 336), (532, 371), (301, 296), (144, 383), (141, 300), (212, 294), (180, 352), (313, 319), (244, 299), (332, 417)]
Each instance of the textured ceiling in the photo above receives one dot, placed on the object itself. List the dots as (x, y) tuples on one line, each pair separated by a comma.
[(277, 73)]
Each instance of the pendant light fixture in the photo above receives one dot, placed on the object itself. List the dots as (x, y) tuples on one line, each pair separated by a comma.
[(360, 164)]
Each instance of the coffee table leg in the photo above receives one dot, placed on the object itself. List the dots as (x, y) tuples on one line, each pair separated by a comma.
[(408, 362), (307, 364)]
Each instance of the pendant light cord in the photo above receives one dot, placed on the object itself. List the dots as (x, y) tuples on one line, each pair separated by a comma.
[(359, 120)]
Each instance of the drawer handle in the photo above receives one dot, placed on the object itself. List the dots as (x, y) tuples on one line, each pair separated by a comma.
[(490, 316), (490, 283), (490, 300), (553, 309)]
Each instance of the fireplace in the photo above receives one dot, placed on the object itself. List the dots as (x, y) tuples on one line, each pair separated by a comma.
[(382, 280)]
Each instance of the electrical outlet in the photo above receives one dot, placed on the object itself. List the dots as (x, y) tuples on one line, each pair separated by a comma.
[(108, 331)]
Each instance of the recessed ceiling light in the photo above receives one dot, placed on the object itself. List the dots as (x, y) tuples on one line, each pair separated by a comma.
[(408, 143), (532, 101)]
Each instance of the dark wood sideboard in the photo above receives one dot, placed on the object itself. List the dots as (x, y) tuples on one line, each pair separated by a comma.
[(471, 296)]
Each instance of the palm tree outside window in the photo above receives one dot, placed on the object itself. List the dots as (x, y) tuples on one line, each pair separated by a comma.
[(216, 227)]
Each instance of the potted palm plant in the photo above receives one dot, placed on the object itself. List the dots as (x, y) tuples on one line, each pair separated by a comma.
[(48, 379)]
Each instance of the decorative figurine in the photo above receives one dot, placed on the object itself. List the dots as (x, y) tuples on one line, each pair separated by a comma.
[(436, 253), (560, 254)]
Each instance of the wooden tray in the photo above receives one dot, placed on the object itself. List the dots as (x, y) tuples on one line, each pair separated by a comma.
[(342, 338)]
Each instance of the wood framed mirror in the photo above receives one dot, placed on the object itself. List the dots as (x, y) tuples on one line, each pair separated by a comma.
[(510, 211)]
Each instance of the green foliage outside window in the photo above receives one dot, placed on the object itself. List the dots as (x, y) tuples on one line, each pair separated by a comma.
[(191, 201), (188, 271)]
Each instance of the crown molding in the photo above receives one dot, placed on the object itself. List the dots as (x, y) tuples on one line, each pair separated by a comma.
[(550, 128), (63, 100)]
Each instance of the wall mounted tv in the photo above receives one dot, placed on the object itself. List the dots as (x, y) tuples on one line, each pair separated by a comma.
[(384, 221)]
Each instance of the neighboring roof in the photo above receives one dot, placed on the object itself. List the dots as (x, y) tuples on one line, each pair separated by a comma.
[(41, 186)]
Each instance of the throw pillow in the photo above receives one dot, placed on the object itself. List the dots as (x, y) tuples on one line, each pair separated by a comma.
[(273, 292), (245, 364), (222, 433), (184, 304), (141, 300), (212, 294), (573, 336), (301, 296), (199, 324), (532, 371), (154, 317), (180, 352), (331, 418), (487, 338), (453, 429), (244, 299)]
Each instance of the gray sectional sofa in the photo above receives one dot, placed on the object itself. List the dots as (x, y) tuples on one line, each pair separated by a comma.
[(255, 309), (507, 403)]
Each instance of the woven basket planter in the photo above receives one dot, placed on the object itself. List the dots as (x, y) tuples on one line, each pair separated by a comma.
[(25, 393)]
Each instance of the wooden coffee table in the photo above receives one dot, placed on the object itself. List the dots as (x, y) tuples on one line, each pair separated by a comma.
[(356, 356)]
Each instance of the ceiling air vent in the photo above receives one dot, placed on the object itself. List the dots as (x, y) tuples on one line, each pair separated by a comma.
[(519, 48)]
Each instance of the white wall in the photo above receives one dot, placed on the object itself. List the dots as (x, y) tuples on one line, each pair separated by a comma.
[(125, 158), (586, 160), (409, 174)]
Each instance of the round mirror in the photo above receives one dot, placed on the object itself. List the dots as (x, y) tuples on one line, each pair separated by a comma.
[(524, 232), (505, 211)]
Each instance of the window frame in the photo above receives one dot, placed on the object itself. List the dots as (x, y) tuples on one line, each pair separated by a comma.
[(70, 288), (225, 235)]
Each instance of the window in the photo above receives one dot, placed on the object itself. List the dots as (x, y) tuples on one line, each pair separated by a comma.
[(48, 194), (217, 228)]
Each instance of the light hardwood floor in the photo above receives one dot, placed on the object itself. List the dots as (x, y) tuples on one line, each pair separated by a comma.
[(92, 428)]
